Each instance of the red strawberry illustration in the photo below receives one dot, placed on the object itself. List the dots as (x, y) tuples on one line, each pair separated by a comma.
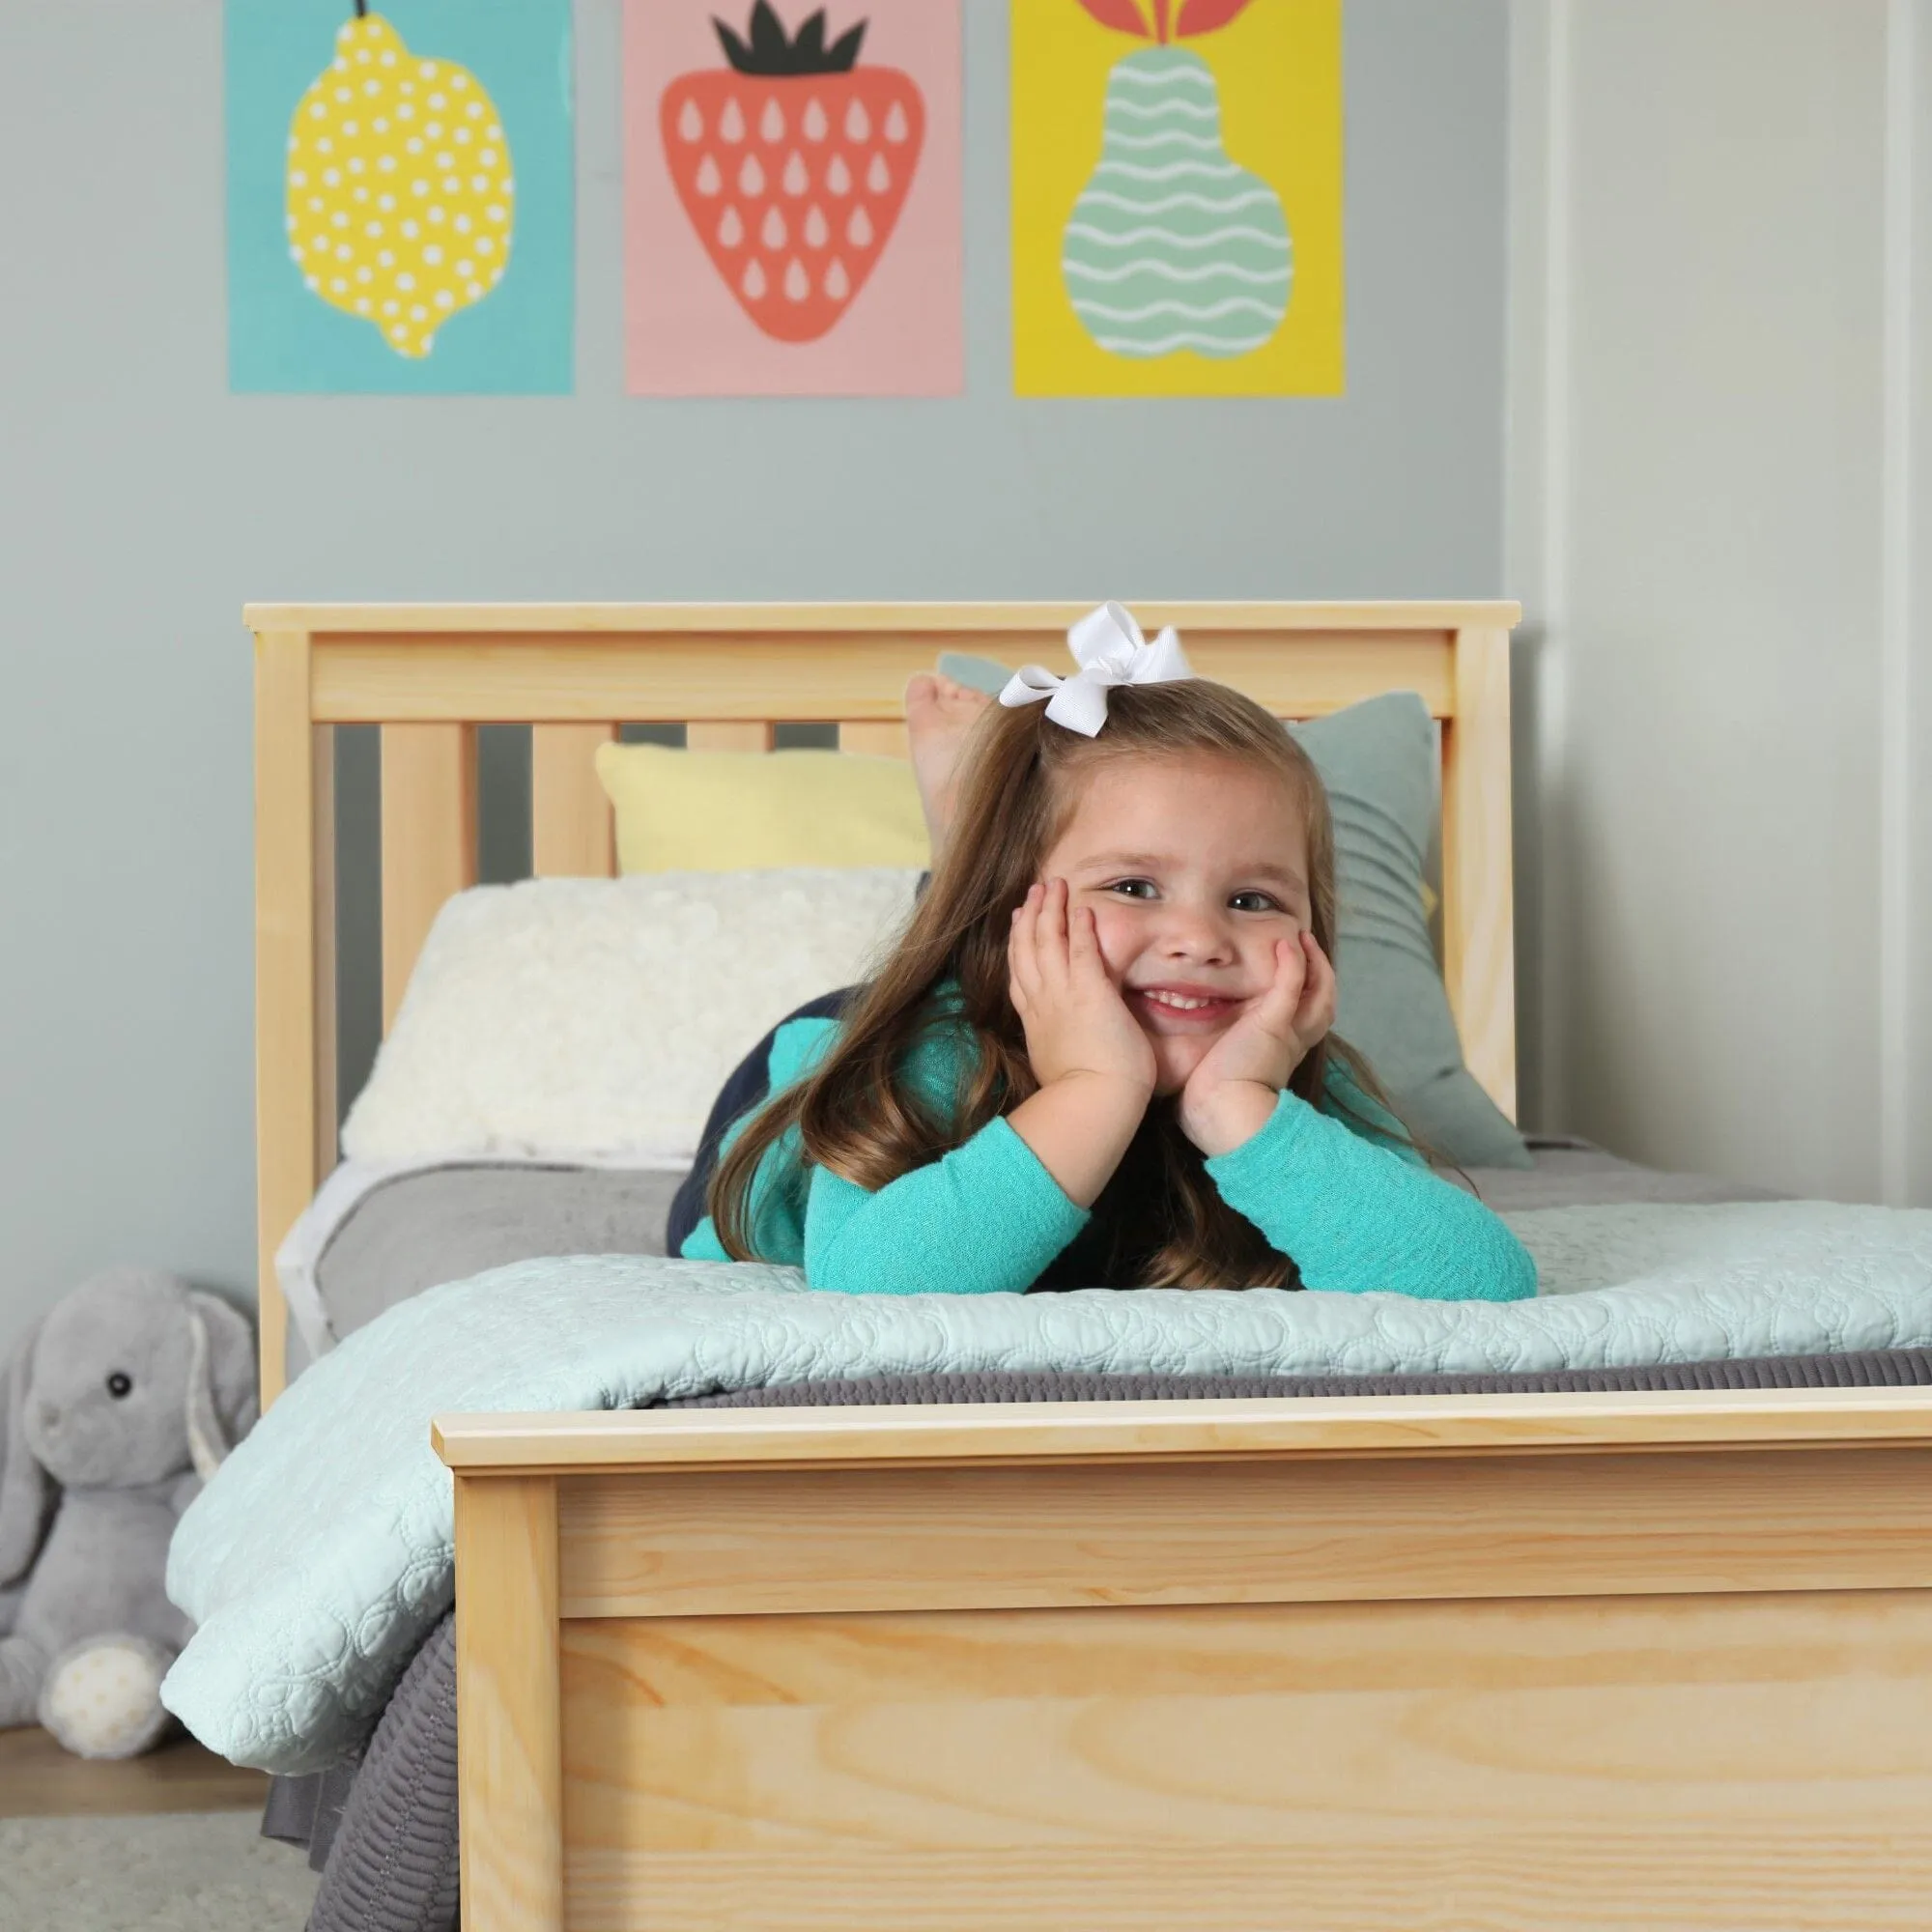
[(793, 164)]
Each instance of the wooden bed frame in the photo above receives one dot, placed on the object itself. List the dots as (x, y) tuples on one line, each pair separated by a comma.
[(1529, 1663)]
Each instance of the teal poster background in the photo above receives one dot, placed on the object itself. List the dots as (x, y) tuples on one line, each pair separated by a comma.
[(517, 340)]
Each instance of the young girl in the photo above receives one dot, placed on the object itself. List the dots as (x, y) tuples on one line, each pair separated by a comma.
[(1100, 1056)]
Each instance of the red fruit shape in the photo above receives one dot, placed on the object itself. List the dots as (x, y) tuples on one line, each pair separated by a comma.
[(793, 164)]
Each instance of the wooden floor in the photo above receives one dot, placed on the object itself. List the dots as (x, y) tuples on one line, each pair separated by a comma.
[(38, 1779)]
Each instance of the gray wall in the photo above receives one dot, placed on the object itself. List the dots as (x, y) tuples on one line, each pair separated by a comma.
[(1730, 668), (140, 505)]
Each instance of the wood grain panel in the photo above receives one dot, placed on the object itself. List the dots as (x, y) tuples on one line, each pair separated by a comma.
[(508, 1717), (286, 1020), (876, 738), (862, 676), (1667, 1762), (743, 736), (321, 820), (699, 1541), (573, 831), (429, 839), (1478, 879)]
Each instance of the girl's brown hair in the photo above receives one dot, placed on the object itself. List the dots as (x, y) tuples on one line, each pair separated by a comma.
[(1160, 1221)]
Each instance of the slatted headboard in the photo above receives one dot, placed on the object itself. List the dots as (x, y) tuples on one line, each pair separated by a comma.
[(429, 675)]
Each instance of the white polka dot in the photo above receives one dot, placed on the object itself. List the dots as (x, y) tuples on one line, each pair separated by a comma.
[(463, 224), (410, 231), (325, 147), (466, 269), (289, 223), (433, 254), (460, 135), (418, 313), (433, 129), (358, 166), (485, 244), (295, 254), (371, 86), (509, 186), (451, 185), (387, 163), (487, 158), (405, 112), (429, 69), (435, 214), (364, 275), (475, 290), (343, 94), (309, 281), (389, 308), (480, 182), (460, 82), (339, 218), (388, 57), (320, 245), (362, 304), (438, 101), (344, 252), (352, 129), (385, 260), (386, 202), (338, 287), (419, 187), (330, 176), (445, 300), (496, 211), (474, 110), (339, 65), (446, 161), (493, 134), (413, 144), (315, 203), (374, 231), (406, 282), (381, 125), (401, 333), (297, 178), (316, 110)]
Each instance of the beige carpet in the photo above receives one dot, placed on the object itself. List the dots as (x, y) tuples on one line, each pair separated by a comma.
[(175, 1872)]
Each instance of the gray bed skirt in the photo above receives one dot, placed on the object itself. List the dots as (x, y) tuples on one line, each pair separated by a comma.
[(381, 1830)]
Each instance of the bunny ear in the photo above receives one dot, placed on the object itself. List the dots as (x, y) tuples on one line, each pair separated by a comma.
[(25, 1488), (222, 1405), (1124, 16)]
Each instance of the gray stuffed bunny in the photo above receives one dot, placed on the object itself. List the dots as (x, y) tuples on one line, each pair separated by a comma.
[(117, 1408)]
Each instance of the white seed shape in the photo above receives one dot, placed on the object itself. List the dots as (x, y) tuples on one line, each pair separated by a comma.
[(878, 177), (838, 177), (816, 234), (774, 234), (709, 179), (798, 284), (858, 123), (772, 126), (816, 127), (731, 123), (796, 177), (754, 282), (730, 230), (836, 284), (690, 122), (897, 127), (859, 230), (751, 176)]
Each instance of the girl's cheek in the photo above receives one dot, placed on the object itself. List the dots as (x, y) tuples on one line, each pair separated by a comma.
[(1115, 933)]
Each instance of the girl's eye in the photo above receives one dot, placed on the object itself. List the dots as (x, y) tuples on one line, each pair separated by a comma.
[(1253, 902), (1134, 889)]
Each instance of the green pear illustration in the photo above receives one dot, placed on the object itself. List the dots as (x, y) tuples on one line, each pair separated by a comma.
[(1173, 244)]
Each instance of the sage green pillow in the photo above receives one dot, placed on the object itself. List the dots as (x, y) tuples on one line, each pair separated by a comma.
[(1377, 760)]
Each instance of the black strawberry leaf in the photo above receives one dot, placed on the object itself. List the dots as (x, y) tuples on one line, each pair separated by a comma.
[(769, 52), (843, 55), (769, 43)]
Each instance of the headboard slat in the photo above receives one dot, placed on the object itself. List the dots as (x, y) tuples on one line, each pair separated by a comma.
[(429, 839), (572, 831)]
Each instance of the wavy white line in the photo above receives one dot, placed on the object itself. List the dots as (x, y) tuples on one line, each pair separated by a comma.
[(1127, 76), (1187, 309), (1222, 207), (1274, 277), (1129, 236), (1161, 108), (1175, 139), (1126, 345), (1227, 171)]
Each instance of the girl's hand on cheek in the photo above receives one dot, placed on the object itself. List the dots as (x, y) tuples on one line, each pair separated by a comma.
[(1076, 1022), (1229, 1096)]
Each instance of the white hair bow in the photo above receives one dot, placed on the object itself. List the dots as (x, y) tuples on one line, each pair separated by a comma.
[(1108, 647)]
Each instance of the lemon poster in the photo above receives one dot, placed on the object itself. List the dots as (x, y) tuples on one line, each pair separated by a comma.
[(1177, 197), (400, 196)]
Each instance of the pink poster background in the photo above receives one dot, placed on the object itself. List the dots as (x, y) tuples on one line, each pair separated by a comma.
[(685, 333)]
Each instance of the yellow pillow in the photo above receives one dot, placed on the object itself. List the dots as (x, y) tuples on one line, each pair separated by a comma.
[(729, 811)]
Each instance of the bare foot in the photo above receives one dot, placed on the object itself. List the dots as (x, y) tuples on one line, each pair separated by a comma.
[(940, 714)]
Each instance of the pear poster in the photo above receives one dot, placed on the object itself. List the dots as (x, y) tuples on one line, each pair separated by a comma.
[(400, 196), (792, 197), (1177, 197)]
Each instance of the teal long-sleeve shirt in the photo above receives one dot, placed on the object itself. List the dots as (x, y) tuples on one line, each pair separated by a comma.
[(1357, 1209)]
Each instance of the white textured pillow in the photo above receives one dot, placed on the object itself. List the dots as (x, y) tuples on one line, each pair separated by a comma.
[(597, 1018)]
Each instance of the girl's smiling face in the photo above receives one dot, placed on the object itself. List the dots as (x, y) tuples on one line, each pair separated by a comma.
[(1194, 867)]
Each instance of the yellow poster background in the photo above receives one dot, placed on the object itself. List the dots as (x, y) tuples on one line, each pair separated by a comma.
[(1278, 68)]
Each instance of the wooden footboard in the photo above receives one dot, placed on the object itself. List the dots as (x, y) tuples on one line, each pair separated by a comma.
[(1535, 1662)]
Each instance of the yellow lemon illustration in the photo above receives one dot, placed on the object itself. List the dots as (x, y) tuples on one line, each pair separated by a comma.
[(401, 200)]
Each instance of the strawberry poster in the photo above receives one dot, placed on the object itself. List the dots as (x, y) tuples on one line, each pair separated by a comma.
[(792, 198), (400, 196), (1177, 197)]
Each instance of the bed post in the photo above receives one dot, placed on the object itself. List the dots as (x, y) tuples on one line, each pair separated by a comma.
[(288, 1039), (1478, 888)]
